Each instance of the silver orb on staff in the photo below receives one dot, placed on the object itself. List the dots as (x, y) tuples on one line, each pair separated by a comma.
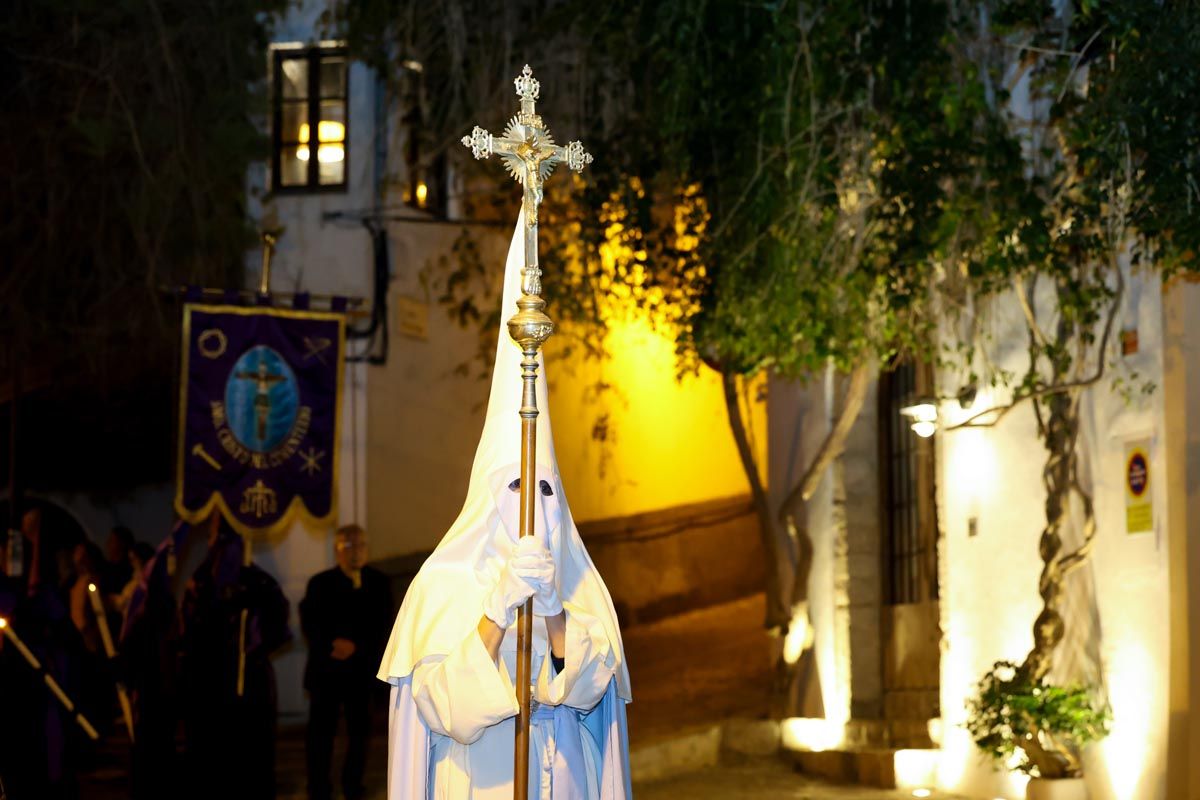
[(530, 155)]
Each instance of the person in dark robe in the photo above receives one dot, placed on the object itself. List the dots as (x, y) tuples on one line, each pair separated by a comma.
[(41, 745), (149, 649), (346, 614), (234, 616), (116, 571)]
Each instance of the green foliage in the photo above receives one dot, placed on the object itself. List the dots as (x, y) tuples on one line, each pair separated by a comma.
[(1010, 712), (1110, 172), (129, 127)]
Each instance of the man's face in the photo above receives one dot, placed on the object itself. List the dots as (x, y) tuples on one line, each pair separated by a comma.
[(114, 549), (31, 524), (79, 558), (351, 551)]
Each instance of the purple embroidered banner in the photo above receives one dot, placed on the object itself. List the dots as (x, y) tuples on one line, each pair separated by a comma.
[(259, 407)]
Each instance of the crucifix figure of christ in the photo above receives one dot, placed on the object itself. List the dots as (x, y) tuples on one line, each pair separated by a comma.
[(530, 155), (262, 395)]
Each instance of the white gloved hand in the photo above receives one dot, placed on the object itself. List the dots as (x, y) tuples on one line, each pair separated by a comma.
[(545, 595), (518, 581)]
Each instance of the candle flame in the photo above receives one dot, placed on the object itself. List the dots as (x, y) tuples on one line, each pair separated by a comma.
[(91, 587)]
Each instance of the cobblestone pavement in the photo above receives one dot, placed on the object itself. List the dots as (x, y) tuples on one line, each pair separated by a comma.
[(765, 779)]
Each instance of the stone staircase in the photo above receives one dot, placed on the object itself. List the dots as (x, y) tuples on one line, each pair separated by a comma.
[(874, 753), (887, 754)]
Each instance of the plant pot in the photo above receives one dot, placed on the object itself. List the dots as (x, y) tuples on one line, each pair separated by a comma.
[(1056, 789)]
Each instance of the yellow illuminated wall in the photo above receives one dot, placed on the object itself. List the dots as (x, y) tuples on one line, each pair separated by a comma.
[(646, 441)]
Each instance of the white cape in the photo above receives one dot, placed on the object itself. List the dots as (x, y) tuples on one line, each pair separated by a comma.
[(452, 707)]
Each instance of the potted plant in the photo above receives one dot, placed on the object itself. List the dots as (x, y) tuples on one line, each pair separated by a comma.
[(1037, 728)]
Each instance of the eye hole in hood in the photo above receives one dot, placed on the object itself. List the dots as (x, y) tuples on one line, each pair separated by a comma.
[(544, 486)]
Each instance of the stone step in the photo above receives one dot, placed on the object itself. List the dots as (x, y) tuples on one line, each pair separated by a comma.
[(883, 768), (875, 753), (870, 767), (897, 734), (909, 734)]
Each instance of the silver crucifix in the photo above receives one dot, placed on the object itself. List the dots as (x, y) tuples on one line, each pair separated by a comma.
[(530, 154)]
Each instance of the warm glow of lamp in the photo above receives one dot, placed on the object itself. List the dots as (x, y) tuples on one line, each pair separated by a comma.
[(3, 623), (331, 136), (422, 193), (1132, 686), (811, 734), (916, 770), (799, 637), (923, 415), (91, 587)]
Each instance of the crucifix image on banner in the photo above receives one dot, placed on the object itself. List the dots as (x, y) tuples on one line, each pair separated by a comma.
[(259, 400)]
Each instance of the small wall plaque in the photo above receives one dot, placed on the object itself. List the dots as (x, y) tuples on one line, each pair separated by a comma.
[(412, 318)]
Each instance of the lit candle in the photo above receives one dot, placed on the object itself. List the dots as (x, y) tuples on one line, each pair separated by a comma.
[(8, 633), (111, 652), (101, 621)]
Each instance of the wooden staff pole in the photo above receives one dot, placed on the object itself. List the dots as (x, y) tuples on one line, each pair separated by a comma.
[(530, 155), (529, 415)]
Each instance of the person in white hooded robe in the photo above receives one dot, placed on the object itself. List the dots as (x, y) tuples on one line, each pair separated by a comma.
[(451, 658)]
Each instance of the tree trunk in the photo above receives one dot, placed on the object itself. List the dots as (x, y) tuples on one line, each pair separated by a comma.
[(780, 564), (831, 448), (793, 678), (785, 539), (1058, 420), (1061, 424)]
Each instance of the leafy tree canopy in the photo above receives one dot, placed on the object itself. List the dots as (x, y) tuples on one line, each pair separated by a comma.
[(129, 126)]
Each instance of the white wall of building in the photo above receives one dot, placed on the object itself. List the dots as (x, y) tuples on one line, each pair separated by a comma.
[(843, 518), (990, 580), (322, 257)]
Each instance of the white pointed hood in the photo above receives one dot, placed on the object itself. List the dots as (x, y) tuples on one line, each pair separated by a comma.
[(445, 601)]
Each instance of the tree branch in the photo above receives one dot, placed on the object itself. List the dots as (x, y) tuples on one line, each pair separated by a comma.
[(1001, 411), (831, 448)]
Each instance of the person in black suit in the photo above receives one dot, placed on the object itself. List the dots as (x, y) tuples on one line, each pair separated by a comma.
[(346, 616)]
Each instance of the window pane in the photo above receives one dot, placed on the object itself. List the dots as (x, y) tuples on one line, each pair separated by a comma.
[(333, 120), (332, 171), (333, 77), (332, 145), (294, 124), (295, 78), (293, 166)]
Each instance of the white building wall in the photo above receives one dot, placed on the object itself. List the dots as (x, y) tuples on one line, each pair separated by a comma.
[(844, 584), (322, 257), (990, 580)]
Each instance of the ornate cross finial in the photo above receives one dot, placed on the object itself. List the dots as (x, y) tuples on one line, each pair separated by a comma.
[(530, 155), (527, 89)]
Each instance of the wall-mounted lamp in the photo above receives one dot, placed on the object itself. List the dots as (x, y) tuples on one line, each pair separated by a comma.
[(922, 415)]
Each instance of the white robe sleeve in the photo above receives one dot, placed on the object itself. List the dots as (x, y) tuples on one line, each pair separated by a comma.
[(590, 665), (463, 693)]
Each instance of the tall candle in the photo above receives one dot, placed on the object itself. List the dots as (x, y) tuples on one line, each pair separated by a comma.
[(6, 630)]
